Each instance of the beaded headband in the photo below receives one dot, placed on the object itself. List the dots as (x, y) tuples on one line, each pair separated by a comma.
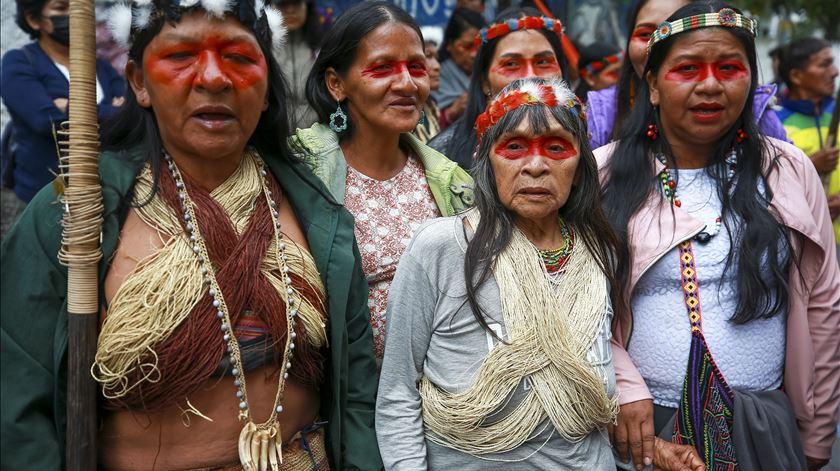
[(597, 66), (555, 93), (128, 18), (506, 27), (726, 17)]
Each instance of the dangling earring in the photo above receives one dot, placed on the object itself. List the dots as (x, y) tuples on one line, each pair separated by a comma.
[(741, 136), (422, 121), (652, 132), (339, 116)]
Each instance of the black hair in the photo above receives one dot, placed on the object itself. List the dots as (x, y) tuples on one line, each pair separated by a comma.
[(135, 128), (31, 8), (760, 264), (461, 148), (627, 79), (312, 28), (594, 52), (797, 54), (462, 19), (341, 46), (582, 211)]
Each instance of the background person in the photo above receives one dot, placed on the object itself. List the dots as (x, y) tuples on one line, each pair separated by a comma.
[(456, 56), (727, 251), (368, 85), (298, 54), (598, 67), (35, 88), (807, 67), (429, 125), (531, 50)]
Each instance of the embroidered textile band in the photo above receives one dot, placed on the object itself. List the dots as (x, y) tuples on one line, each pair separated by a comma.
[(529, 22), (600, 65), (726, 17), (128, 17), (530, 94)]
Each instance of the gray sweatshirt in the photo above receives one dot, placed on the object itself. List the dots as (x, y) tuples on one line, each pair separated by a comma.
[(431, 332)]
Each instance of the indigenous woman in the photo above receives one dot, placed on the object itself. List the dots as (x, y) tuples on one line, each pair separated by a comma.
[(703, 202), (498, 354), (610, 107), (35, 90), (230, 280), (456, 55), (368, 85), (429, 125), (519, 44)]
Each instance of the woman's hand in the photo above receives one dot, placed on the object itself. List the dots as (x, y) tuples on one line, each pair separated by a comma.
[(669, 456), (61, 104), (118, 101), (834, 205), (634, 434)]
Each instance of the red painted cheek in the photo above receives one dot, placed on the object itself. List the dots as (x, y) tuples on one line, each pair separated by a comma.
[(206, 63), (552, 147), (642, 35)]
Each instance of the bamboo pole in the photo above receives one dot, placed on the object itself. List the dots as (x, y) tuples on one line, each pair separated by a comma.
[(80, 250)]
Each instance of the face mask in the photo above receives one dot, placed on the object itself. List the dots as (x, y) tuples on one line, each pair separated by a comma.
[(61, 29)]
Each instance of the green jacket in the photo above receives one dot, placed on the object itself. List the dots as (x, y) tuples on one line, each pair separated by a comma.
[(33, 319), (451, 186)]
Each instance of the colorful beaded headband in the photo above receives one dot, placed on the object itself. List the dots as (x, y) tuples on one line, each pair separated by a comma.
[(532, 93), (529, 22), (726, 17), (129, 17), (602, 64)]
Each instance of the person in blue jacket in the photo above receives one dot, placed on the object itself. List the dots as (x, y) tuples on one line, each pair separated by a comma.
[(35, 89)]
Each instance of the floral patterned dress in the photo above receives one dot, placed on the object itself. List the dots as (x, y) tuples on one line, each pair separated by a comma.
[(387, 213)]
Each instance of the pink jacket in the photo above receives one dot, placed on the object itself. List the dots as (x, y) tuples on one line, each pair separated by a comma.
[(812, 358)]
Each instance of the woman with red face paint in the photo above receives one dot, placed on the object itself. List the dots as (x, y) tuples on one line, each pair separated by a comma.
[(456, 55), (35, 91), (368, 86), (498, 352), (519, 44), (234, 306), (598, 68), (747, 372), (610, 107)]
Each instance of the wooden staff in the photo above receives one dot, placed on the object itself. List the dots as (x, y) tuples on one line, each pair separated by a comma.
[(831, 139), (80, 249)]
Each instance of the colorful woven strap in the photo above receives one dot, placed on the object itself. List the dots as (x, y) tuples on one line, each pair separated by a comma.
[(549, 94), (705, 415), (725, 17), (506, 27)]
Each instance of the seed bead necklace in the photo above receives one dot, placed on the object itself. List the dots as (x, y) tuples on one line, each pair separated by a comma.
[(669, 189), (260, 445), (555, 260)]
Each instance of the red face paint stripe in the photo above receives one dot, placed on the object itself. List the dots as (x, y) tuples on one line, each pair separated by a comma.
[(530, 67), (696, 71), (551, 147), (390, 68)]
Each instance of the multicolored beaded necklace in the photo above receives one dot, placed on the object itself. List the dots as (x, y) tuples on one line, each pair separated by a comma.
[(555, 259), (669, 189)]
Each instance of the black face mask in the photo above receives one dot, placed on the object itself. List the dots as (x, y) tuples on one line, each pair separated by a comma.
[(61, 29)]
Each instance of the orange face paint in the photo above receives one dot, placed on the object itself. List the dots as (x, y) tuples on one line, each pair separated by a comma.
[(642, 34), (696, 71), (517, 67), (552, 147), (210, 62), (415, 68)]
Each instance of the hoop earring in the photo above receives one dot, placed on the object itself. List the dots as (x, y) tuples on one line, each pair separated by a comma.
[(339, 116)]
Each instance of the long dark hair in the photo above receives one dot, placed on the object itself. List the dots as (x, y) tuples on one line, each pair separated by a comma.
[(628, 81), (761, 262), (462, 148), (582, 210), (135, 128), (340, 47)]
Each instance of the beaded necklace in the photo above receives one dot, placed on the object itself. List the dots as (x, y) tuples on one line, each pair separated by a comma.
[(669, 189), (260, 445), (555, 260)]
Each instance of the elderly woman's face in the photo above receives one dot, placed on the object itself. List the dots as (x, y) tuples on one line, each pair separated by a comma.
[(701, 87), (535, 173), (519, 55), (388, 83), (206, 80)]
